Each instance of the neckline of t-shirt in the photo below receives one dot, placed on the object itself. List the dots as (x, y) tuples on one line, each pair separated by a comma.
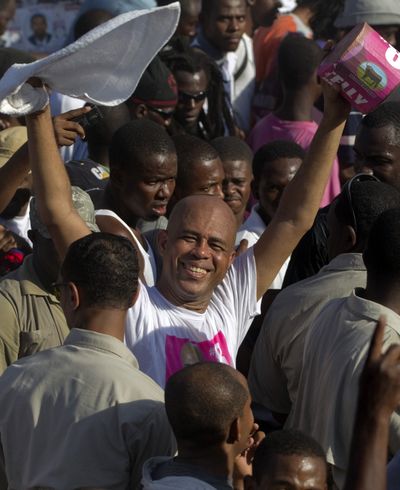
[(181, 309)]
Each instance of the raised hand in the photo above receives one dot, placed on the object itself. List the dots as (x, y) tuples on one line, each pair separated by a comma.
[(66, 129)]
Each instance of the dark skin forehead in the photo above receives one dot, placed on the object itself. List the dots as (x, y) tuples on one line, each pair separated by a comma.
[(280, 169), (237, 169), (296, 472), (191, 82), (205, 171), (229, 7), (154, 165), (377, 139)]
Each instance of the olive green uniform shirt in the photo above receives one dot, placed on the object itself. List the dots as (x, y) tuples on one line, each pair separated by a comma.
[(31, 319)]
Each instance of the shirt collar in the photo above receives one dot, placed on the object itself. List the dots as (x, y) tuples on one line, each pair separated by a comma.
[(99, 341), (371, 310), (254, 222), (344, 262)]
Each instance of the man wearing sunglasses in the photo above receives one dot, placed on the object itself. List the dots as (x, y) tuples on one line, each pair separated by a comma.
[(278, 354)]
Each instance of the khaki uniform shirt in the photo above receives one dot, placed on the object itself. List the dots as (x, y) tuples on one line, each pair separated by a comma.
[(334, 355), (81, 416), (31, 319), (278, 354)]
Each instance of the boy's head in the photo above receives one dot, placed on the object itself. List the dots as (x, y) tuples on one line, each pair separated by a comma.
[(236, 158), (274, 166), (298, 61), (289, 459)]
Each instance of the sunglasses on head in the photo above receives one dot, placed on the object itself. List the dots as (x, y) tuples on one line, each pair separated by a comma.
[(185, 97), (347, 192), (161, 112)]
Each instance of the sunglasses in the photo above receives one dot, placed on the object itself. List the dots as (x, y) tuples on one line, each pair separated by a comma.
[(185, 97), (347, 192), (164, 114)]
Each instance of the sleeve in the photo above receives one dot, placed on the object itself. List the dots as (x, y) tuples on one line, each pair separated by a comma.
[(135, 326), (9, 333), (238, 293)]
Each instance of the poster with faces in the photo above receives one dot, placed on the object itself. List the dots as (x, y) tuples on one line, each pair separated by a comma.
[(42, 27)]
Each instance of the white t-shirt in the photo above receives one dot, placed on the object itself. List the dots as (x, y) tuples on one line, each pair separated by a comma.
[(20, 225), (165, 338)]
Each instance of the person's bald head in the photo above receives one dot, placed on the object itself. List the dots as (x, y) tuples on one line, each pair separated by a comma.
[(191, 207), (197, 250), (203, 400)]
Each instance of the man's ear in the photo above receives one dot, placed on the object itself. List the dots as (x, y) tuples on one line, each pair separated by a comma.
[(162, 239), (140, 111), (234, 432), (351, 237), (74, 295)]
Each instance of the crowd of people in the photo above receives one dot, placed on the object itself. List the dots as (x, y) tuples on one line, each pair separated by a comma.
[(200, 286)]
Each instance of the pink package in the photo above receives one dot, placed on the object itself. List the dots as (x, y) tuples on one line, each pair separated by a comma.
[(365, 66)]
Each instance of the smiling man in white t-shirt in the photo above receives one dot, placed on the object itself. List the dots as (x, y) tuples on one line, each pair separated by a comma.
[(201, 307)]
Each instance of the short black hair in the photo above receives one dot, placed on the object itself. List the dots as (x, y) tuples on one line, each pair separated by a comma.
[(38, 15), (112, 119), (387, 114), (185, 4), (369, 199), (132, 144), (272, 151), (232, 148), (190, 151), (381, 257), (284, 443), (207, 6), (202, 401), (106, 266), (298, 59)]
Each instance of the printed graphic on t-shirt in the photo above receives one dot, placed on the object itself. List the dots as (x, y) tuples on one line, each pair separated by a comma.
[(180, 352)]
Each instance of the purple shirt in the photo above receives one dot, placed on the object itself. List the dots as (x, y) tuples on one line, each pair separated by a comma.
[(271, 128)]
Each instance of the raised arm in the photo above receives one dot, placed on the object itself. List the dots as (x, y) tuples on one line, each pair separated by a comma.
[(51, 184), (379, 396), (302, 197)]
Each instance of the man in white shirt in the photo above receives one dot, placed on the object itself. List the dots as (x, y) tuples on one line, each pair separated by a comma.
[(198, 250)]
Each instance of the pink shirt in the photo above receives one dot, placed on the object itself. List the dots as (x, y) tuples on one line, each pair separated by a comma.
[(271, 128)]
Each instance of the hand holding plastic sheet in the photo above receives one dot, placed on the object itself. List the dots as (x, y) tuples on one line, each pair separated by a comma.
[(103, 66)]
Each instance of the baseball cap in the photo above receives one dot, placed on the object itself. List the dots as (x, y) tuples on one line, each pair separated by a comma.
[(83, 205), (87, 174), (11, 139), (157, 87)]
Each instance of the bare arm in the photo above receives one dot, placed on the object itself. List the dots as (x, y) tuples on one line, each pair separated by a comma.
[(51, 184), (379, 396), (302, 197)]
